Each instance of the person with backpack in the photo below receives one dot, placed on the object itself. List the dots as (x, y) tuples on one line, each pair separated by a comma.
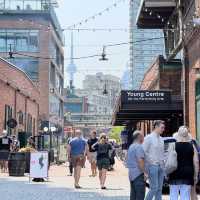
[(185, 176)]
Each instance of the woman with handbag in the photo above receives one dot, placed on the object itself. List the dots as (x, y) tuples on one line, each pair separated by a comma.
[(183, 178)]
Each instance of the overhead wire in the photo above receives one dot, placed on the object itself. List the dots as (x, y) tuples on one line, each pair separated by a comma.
[(89, 56)]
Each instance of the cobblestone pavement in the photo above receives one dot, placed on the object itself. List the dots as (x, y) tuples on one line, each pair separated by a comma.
[(60, 186)]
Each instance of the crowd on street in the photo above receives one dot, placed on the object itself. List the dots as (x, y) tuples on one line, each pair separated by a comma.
[(148, 161)]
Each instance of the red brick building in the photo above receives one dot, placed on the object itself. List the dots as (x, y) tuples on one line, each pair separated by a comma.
[(163, 75), (32, 31), (176, 18), (19, 100)]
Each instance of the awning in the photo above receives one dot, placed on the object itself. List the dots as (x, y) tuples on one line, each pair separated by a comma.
[(154, 14), (139, 105)]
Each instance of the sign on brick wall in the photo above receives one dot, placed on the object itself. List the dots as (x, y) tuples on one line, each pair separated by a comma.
[(145, 96)]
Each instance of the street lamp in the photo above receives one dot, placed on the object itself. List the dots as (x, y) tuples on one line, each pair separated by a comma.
[(103, 55), (46, 129)]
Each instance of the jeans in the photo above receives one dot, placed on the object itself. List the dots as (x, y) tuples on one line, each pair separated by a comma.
[(156, 178), (137, 188), (185, 192)]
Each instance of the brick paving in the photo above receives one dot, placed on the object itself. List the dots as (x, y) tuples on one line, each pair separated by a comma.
[(60, 186)]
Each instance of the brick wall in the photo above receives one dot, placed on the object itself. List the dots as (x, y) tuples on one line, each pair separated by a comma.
[(19, 92), (46, 35), (193, 49)]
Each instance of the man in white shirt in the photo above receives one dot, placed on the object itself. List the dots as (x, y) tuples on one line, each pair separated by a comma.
[(154, 158)]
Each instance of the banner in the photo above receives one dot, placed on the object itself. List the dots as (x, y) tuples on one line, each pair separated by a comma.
[(39, 165), (145, 96)]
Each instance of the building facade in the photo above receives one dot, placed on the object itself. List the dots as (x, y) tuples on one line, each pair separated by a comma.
[(30, 31), (19, 100), (103, 87), (143, 49), (182, 34)]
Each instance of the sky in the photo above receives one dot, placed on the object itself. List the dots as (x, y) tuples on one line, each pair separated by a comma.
[(91, 42)]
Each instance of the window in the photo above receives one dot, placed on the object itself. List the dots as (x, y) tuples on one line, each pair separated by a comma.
[(28, 65), (52, 75), (29, 125), (19, 40), (8, 115), (20, 117)]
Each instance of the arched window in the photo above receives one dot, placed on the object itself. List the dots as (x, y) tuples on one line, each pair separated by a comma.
[(198, 109)]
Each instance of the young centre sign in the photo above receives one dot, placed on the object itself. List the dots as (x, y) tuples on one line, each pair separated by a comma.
[(145, 96)]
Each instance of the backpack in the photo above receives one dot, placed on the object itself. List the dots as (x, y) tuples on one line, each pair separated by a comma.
[(171, 162)]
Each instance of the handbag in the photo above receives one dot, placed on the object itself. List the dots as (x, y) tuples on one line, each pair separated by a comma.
[(171, 163)]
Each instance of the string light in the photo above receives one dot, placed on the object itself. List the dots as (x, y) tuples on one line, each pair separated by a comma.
[(97, 14)]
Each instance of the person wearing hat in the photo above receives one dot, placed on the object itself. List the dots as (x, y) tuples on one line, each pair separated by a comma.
[(185, 176)]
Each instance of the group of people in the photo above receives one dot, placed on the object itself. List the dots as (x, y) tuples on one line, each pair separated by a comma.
[(97, 151), (146, 159)]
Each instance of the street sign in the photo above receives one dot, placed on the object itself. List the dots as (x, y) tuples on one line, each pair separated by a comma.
[(12, 123), (39, 165), (145, 96)]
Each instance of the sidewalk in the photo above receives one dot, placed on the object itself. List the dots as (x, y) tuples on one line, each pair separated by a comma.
[(60, 186)]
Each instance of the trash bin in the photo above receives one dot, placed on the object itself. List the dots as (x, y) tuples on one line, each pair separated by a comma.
[(16, 164)]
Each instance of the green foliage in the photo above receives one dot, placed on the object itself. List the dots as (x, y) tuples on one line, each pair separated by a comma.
[(115, 133)]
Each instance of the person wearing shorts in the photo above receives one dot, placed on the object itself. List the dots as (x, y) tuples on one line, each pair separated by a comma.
[(76, 153), (103, 162), (92, 155)]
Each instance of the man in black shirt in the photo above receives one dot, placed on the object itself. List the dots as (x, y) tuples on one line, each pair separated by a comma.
[(92, 153)]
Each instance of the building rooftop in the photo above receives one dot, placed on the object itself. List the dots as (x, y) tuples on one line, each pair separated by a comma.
[(30, 7)]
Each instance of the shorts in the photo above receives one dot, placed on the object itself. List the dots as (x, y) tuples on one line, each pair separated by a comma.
[(103, 163), (4, 155), (78, 160), (92, 157)]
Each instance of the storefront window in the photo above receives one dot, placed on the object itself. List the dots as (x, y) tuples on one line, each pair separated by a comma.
[(198, 109)]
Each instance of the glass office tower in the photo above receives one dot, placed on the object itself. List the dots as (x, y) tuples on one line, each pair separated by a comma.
[(143, 53)]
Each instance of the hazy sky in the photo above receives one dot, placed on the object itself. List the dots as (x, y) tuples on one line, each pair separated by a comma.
[(90, 43)]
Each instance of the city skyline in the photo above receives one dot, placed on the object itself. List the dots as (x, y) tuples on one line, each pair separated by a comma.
[(91, 42)]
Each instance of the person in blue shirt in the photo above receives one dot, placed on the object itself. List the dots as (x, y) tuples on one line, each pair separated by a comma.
[(77, 151)]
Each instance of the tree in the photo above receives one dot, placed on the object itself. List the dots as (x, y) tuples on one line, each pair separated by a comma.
[(115, 133)]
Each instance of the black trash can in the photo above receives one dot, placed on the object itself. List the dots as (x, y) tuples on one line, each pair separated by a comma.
[(16, 164), (28, 159)]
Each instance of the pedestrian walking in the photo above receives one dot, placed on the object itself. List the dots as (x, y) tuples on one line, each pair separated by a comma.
[(103, 163), (112, 155), (185, 176), (69, 157), (92, 155), (136, 167), (154, 158), (76, 153)]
